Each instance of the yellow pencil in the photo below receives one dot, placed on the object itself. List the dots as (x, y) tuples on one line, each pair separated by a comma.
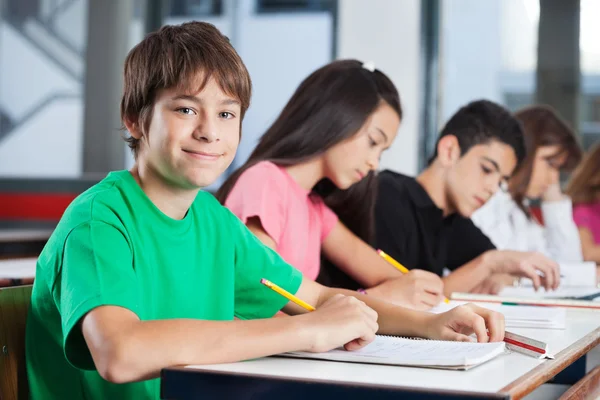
[(287, 294), (399, 266), (395, 263)]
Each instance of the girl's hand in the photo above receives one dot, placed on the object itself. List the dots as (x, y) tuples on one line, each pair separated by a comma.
[(553, 193), (462, 321), (418, 289)]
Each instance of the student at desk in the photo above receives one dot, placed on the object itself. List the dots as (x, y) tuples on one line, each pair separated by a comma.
[(145, 271), (584, 190), (507, 218), (423, 222), (308, 187)]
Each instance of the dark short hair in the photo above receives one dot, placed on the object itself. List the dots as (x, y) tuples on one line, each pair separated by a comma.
[(177, 56), (481, 122)]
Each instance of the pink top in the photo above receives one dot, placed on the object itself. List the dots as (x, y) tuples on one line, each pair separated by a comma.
[(297, 220), (588, 216)]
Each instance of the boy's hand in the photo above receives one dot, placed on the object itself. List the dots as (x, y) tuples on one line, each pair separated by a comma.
[(341, 321), (460, 322), (535, 266), (417, 289)]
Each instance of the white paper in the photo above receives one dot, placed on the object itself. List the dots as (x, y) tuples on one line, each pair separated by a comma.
[(401, 351), (518, 316)]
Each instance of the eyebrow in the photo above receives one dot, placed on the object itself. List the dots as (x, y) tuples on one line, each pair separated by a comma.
[(382, 133), (496, 166), (194, 99)]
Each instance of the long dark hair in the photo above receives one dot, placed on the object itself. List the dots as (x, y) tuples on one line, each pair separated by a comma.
[(542, 126), (329, 106)]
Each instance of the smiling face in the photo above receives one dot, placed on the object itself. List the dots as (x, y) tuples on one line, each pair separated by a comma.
[(471, 179), (351, 160), (192, 138)]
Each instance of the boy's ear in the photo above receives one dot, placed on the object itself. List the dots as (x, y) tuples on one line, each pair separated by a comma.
[(133, 127), (448, 150)]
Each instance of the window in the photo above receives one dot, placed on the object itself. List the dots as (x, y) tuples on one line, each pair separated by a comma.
[(178, 8), (274, 6)]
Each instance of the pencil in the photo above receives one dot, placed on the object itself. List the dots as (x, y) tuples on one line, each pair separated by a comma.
[(399, 266), (287, 294), (395, 263)]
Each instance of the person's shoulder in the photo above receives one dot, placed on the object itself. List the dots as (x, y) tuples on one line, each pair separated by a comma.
[(264, 170), (398, 184), (102, 202)]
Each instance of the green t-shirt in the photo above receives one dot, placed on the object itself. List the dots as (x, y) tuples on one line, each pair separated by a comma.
[(114, 247)]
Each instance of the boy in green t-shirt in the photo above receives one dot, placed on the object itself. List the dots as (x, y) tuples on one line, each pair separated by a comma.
[(145, 271)]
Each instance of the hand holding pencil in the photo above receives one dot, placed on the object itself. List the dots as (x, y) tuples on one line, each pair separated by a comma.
[(417, 289), (340, 321)]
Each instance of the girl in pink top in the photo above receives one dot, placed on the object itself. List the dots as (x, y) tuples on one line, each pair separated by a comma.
[(584, 189), (308, 187)]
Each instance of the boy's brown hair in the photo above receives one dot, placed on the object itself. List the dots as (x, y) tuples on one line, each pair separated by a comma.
[(180, 56)]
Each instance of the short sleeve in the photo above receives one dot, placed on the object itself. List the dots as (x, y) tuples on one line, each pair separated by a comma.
[(393, 223), (583, 216), (97, 269), (465, 243), (253, 262), (328, 218), (261, 191)]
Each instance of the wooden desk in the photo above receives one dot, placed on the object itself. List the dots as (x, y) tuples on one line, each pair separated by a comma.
[(510, 376), (22, 242)]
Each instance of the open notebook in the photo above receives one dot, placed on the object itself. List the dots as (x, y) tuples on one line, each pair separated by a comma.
[(413, 353)]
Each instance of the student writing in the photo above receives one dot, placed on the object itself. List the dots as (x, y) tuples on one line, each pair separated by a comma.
[(308, 187), (423, 222)]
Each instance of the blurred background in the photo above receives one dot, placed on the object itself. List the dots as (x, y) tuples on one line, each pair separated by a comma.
[(61, 63)]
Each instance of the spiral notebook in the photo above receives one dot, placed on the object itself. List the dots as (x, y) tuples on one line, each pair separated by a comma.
[(392, 350)]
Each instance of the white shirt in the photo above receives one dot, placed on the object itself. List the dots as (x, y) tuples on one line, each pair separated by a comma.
[(508, 228)]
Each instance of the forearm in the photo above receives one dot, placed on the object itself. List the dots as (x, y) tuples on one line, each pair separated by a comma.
[(356, 258), (469, 276), (365, 266), (591, 252), (141, 351), (393, 320)]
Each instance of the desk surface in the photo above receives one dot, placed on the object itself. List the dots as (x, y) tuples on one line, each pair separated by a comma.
[(509, 375), (18, 268), (24, 235)]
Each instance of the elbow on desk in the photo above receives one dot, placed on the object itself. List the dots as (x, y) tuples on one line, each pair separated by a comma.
[(114, 364)]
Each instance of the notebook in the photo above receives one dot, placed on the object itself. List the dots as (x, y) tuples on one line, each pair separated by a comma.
[(393, 350), (568, 297), (565, 293), (519, 316), (581, 274)]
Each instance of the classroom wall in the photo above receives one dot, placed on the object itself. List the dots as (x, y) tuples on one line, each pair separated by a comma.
[(471, 57), (279, 50), (392, 40)]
